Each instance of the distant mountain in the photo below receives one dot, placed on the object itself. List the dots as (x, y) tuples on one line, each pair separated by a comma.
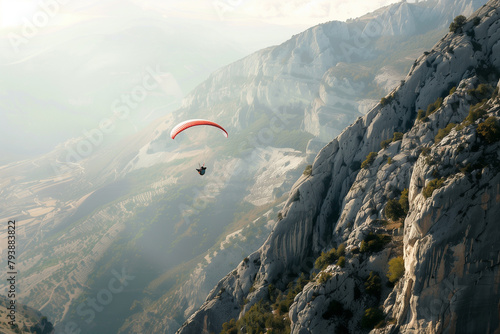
[(331, 73), (136, 208), (393, 229)]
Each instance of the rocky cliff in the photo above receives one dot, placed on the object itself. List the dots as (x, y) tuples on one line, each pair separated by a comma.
[(417, 179), (317, 82)]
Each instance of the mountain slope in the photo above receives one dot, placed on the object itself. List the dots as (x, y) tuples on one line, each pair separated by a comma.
[(450, 243), (134, 206)]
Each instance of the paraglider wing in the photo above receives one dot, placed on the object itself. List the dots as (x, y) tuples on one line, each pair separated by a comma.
[(194, 122)]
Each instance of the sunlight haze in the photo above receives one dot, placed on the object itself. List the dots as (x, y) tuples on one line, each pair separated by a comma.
[(67, 62)]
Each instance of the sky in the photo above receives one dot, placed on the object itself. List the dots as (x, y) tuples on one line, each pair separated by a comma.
[(67, 64), (292, 16)]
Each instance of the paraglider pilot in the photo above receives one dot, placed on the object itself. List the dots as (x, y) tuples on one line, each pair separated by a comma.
[(201, 170)]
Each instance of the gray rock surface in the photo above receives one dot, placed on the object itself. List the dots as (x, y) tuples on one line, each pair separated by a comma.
[(450, 241)]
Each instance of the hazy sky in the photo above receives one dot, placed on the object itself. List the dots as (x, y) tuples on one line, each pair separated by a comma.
[(65, 63), (295, 15)]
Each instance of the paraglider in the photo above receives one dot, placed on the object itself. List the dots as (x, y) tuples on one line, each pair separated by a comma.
[(195, 122), (201, 170)]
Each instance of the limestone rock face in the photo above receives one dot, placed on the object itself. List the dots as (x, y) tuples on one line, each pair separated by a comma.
[(449, 238), (452, 243)]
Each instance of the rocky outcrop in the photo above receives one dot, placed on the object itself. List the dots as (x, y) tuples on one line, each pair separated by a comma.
[(452, 241), (449, 242)]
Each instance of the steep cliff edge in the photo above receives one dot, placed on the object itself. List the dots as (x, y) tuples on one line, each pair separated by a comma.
[(439, 134)]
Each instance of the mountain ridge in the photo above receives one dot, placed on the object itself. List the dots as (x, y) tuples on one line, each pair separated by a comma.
[(308, 225)]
